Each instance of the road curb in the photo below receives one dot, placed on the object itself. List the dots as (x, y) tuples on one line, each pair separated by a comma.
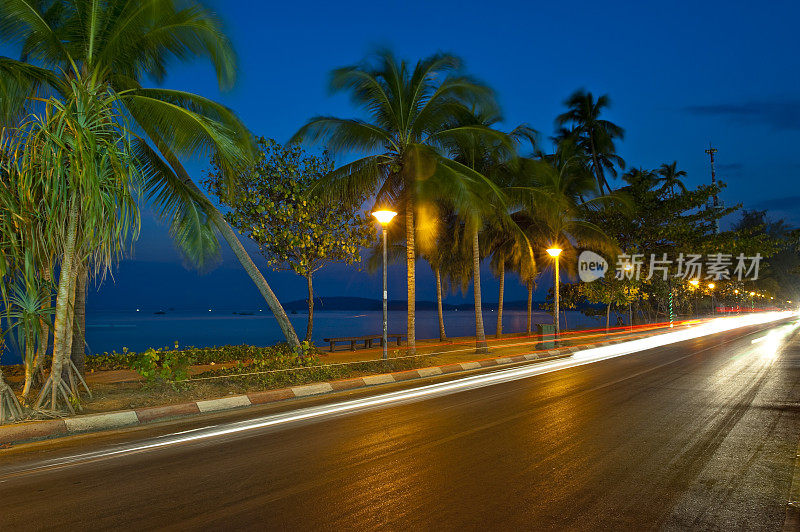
[(38, 430)]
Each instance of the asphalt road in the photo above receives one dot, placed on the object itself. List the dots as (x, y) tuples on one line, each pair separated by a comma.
[(698, 435)]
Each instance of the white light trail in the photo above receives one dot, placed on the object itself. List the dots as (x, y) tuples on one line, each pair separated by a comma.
[(579, 358)]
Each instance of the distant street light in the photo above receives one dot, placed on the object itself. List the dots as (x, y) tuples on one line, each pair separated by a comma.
[(384, 217), (555, 252), (695, 283), (713, 307), (628, 267)]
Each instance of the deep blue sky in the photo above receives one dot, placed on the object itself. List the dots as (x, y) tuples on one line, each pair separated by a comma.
[(680, 74)]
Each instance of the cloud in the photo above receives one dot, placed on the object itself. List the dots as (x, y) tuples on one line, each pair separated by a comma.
[(784, 203), (782, 115)]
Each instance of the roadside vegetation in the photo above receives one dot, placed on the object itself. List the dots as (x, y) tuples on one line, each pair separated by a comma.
[(87, 139)]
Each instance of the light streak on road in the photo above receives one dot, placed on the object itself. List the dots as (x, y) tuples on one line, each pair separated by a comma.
[(579, 358)]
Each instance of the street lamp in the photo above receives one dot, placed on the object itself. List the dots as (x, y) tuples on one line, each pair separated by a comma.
[(695, 283), (384, 217), (555, 252), (628, 267), (713, 307), (752, 301)]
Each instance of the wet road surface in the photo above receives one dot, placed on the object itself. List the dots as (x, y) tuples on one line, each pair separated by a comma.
[(701, 435)]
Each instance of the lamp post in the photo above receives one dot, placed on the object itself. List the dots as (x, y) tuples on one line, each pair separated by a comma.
[(628, 267), (711, 287), (555, 252), (736, 293), (695, 283), (752, 301), (384, 217)]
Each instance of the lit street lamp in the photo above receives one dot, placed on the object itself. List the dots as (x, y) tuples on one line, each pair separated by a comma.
[(384, 217), (713, 307), (555, 252), (628, 267), (695, 283)]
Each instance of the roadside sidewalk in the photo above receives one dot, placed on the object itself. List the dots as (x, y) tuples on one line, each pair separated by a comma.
[(37, 430)]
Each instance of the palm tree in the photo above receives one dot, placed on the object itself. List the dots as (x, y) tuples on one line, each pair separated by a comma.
[(593, 134), (478, 198), (410, 110), (116, 44), (671, 178), (553, 210)]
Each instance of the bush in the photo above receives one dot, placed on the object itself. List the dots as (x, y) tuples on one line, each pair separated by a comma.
[(157, 365), (200, 355)]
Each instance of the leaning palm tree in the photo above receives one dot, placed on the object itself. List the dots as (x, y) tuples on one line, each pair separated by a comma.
[(410, 111), (118, 43), (595, 135)]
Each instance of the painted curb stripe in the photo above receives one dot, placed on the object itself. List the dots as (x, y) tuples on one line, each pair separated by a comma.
[(160, 412), (224, 403), (101, 421), (372, 380), (270, 396), (32, 430), (312, 389), (429, 372)]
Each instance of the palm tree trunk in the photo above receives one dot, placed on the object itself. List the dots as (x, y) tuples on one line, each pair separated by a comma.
[(411, 277), (30, 367), (530, 307), (62, 329), (79, 322), (608, 316), (442, 335), (230, 237), (310, 325), (480, 336), (499, 331)]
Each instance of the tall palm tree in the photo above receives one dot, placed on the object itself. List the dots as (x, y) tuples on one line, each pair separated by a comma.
[(410, 110), (593, 134), (479, 198), (671, 177), (117, 43)]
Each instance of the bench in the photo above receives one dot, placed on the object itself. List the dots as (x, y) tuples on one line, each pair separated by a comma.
[(368, 339)]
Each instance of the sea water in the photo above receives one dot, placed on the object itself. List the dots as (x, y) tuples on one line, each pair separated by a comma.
[(137, 331)]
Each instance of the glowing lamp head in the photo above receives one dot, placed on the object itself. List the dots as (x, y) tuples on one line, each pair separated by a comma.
[(752, 293), (736, 291), (711, 285), (384, 217), (694, 282), (628, 267), (554, 252)]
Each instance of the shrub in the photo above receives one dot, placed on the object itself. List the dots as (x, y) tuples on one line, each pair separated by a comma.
[(157, 365)]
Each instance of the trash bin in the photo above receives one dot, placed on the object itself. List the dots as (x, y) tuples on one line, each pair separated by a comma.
[(546, 336)]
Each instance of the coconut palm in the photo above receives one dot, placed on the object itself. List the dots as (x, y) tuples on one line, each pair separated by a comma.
[(478, 198), (593, 134), (410, 111), (671, 178), (117, 43)]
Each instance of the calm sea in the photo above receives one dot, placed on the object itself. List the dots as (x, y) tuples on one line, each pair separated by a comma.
[(139, 330)]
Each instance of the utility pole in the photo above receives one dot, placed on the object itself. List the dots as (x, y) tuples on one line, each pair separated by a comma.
[(711, 151)]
